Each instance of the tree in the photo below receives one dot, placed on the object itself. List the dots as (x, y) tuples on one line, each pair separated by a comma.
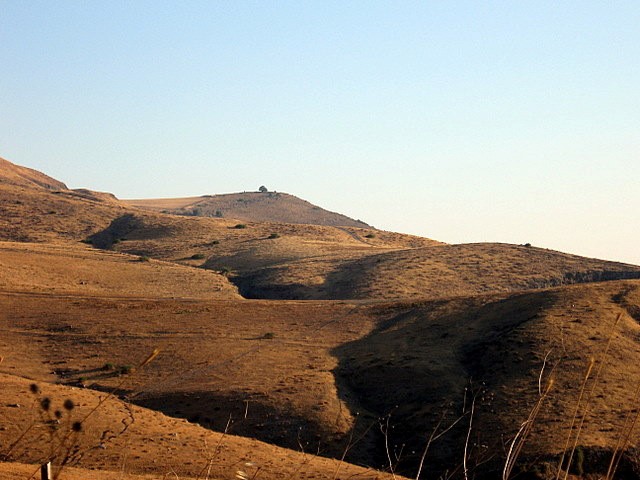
[(263, 189)]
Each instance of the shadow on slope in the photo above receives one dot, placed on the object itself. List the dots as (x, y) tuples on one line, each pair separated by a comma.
[(427, 363)]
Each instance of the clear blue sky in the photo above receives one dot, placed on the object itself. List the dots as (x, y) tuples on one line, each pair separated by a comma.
[(514, 121)]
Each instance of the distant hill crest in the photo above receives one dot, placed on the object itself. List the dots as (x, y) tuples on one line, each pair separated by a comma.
[(27, 177), (262, 206)]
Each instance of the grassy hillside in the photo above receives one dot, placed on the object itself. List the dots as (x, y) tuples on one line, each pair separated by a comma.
[(81, 270), (427, 364), (11, 174)]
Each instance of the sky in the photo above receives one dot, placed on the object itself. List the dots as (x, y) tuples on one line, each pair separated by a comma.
[(462, 121)]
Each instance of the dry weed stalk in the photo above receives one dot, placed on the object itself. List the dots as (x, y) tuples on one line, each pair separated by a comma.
[(466, 442), (587, 402), (433, 437), (525, 429), (623, 442), (64, 444)]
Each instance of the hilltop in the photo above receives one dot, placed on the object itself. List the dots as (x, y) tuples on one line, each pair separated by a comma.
[(250, 207)]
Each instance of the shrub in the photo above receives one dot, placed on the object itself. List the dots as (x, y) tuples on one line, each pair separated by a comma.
[(370, 235), (240, 226), (274, 235), (143, 258), (197, 256), (269, 335)]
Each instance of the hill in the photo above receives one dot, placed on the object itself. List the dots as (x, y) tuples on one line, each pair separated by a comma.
[(251, 207), (287, 261), (22, 176), (403, 347), (486, 361)]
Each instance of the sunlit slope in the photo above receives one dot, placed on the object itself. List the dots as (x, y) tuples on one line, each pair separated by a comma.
[(484, 361), (81, 270), (11, 174), (469, 269), (251, 207), (439, 271), (39, 215), (241, 249), (289, 261), (267, 366)]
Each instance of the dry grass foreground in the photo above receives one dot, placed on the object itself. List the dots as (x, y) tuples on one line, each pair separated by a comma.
[(296, 373), (128, 439), (267, 365)]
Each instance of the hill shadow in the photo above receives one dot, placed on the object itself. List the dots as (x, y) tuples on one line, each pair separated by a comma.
[(418, 372)]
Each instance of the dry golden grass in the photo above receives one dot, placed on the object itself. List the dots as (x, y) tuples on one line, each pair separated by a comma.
[(22, 176), (268, 361), (427, 330), (80, 270)]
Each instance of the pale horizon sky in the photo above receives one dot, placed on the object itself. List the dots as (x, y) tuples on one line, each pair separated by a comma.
[(461, 121)]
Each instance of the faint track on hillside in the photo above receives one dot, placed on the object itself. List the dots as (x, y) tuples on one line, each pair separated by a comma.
[(355, 236)]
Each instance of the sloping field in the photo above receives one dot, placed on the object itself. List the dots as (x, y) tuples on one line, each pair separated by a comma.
[(265, 366), (469, 269), (307, 374), (81, 270), (286, 261), (439, 271), (435, 355)]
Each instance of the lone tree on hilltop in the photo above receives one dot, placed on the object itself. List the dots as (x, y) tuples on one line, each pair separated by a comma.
[(263, 189)]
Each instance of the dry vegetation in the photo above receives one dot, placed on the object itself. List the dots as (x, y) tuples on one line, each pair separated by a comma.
[(450, 347)]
